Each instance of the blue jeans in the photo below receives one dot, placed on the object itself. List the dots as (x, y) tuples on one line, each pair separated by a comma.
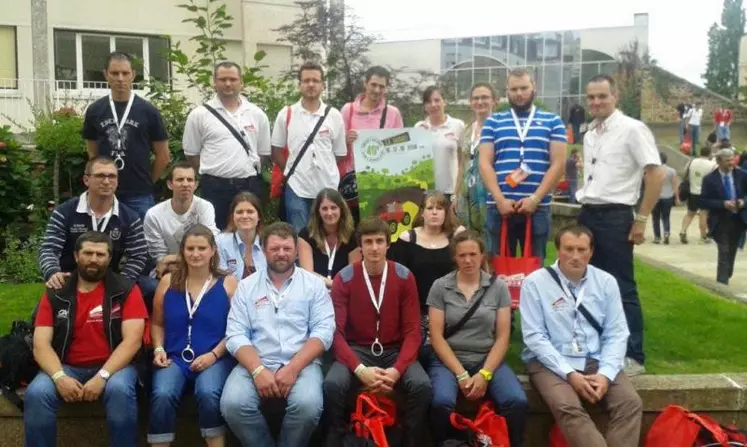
[(120, 399), (660, 214), (168, 387), (297, 210), (504, 390), (723, 132), (572, 189), (139, 204), (613, 253), (683, 127), (695, 131), (516, 230), (221, 191), (240, 406)]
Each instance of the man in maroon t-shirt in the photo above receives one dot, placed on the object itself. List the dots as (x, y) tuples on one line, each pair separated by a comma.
[(86, 336), (377, 338)]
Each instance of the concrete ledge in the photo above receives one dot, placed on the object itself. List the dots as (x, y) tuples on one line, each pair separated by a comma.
[(719, 395)]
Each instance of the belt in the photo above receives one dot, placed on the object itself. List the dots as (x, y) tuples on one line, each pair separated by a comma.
[(230, 181), (607, 207)]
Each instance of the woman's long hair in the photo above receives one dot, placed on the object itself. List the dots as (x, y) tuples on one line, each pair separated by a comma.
[(345, 226), (439, 200), (252, 200), (179, 275)]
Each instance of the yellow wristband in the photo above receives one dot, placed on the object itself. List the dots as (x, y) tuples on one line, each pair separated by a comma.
[(257, 371), (487, 375)]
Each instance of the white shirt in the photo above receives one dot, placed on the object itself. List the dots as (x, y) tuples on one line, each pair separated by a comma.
[(445, 151), (694, 115), (615, 154), (318, 167), (221, 155), (699, 168), (164, 228)]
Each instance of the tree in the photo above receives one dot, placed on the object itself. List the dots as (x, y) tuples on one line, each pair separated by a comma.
[(635, 65), (722, 67)]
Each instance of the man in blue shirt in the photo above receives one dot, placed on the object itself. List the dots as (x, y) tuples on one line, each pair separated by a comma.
[(522, 159), (571, 356), (281, 321)]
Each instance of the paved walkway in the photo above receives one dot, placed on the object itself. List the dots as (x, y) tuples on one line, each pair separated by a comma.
[(695, 257)]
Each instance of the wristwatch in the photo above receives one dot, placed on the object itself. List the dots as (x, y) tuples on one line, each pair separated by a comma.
[(104, 374), (487, 375)]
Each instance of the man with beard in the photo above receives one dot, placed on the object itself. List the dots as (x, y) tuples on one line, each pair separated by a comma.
[(312, 159), (619, 152), (226, 140), (86, 337), (281, 322), (522, 159), (127, 128)]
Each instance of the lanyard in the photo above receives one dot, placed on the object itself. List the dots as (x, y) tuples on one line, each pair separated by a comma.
[(117, 122), (275, 294), (188, 354), (523, 131), (331, 257), (377, 349), (475, 140), (104, 220)]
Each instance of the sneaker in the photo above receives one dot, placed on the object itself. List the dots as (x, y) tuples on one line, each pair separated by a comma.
[(683, 238), (657, 240), (666, 240), (705, 240), (633, 368)]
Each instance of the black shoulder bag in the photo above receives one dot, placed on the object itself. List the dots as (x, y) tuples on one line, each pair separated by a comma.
[(305, 146), (239, 135), (683, 192), (451, 330), (581, 308)]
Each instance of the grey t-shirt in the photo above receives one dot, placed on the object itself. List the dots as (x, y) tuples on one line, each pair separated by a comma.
[(667, 188), (475, 339)]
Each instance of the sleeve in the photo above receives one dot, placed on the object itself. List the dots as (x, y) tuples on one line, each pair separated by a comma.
[(52, 245), (345, 112), (322, 321), (207, 217), (535, 335), (558, 131), (487, 134), (90, 132), (279, 134), (156, 243), (339, 146), (222, 253), (263, 135), (156, 127), (192, 139), (44, 313), (643, 147), (398, 122), (136, 251), (504, 296), (615, 333), (436, 295), (134, 306), (340, 347), (239, 324), (410, 318), (710, 199)]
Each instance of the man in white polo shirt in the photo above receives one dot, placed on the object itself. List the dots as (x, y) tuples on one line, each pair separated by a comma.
[(227, 152), (618, 150), (693, 117), (308, 171)]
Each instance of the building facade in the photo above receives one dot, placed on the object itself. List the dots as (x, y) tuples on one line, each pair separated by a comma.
[(54, 50), (561, 61)]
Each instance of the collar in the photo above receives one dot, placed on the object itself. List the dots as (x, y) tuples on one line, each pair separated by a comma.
[(268, 281), (607, 124), (217, 104), (450, 280), (319, 111), (83, 207), (240, 243), (440, 126), (565, 278), (357, 103)]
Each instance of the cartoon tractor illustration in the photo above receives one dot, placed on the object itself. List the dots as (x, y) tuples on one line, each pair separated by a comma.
[(394, 214)]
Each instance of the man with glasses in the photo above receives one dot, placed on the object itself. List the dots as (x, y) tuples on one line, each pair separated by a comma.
[(618, 151), (97, 209)]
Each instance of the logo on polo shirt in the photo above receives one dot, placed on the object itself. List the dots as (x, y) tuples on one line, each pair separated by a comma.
[(78, 228), (115, 234), (559, 304), (250, 128), (63, 314), (262, 302), (96, 315), (324, 132), (231, 264)]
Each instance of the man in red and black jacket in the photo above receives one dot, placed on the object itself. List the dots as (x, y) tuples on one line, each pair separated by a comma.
[(87, 335), (377, 338)]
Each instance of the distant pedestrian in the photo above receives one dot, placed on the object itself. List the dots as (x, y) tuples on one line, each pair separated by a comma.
[(572, 166), (694, 116), (695, 171), (667, 199)]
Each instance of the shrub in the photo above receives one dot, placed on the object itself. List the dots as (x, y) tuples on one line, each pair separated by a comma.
[(20, 264), (16, 181)]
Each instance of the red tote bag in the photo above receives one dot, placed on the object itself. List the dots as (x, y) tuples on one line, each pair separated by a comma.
[(276, 178), (511, 269), (490, 428), (372, 415)]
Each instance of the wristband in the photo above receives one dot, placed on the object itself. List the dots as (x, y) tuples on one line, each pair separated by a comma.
[(159, 349), (534, 199), (640, 218), (257, 371), (58, 375), (359, 368), (487, 375), (463, 376), (214, 354)]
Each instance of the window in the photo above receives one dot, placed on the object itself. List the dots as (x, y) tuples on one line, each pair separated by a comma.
[(8, 62), (80, 58), (448, 53)]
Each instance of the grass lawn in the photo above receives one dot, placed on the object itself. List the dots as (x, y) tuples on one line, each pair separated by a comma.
[(688, 329)]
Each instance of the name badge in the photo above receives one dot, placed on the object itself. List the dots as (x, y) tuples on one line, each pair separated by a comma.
[(516, 177)]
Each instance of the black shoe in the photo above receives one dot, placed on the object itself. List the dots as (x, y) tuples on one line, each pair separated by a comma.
[(683, 238), (666, 240), (657, 240)]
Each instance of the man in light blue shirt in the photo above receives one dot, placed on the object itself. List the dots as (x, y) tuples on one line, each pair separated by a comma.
[(575, 334), (281, 321)]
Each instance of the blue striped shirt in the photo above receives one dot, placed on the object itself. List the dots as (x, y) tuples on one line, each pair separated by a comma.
[(500, 131)]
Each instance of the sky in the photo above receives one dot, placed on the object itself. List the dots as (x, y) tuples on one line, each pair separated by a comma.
[(678, 30)]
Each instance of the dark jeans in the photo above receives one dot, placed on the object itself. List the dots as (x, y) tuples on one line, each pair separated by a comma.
[(577, 133), (613, 253), (139, 204), (414, 385), (695, 135), (504, 390), (661, 213), (728, 232), (572, 189), (221, 191)]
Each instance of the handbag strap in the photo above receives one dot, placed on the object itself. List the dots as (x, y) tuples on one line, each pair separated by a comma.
[(526, 252), (306, 144), (234, 132), (581, 308), (451, 330), (382, 121)]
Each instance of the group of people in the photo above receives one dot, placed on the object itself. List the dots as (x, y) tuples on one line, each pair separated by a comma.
[(264, 303), (690, 117)]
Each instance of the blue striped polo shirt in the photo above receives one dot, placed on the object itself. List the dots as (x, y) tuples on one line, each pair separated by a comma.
[(500, 131)]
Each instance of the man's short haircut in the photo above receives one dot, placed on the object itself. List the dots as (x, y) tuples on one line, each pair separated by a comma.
[(520, 73), (94, 237), (98, 160), (378, 70), (308, 66), (576, 230), (705, 151), (724, 153), (604, 78), (371, 226), (227, 64), (283, 230), (663, 158), (181, 165), (725, 144), (117, 56)]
